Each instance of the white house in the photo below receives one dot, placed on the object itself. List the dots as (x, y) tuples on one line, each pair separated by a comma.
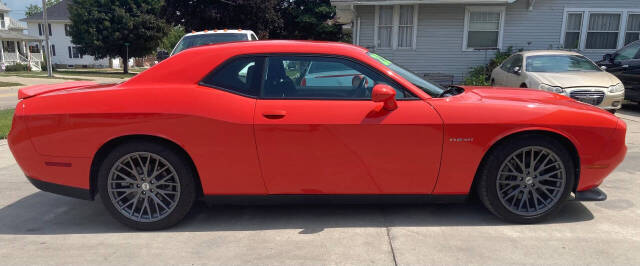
[(16, 47), (63, 53)]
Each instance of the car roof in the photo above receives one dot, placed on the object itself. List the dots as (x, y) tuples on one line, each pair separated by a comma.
[(217, 31), (283, 46), (548, 52)]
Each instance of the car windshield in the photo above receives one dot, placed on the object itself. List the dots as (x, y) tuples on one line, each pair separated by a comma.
[(429, 87), (204, 39), (559, 63)]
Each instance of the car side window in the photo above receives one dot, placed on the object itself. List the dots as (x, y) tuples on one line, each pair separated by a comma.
[(506, 65), (303, 77), (628, 52), (517, 62), (239, 75), (253, 37)]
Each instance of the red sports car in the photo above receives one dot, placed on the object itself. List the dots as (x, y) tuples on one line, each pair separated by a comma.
[(244, 119)]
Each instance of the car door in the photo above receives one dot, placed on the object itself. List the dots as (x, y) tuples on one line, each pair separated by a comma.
[(332, 139)]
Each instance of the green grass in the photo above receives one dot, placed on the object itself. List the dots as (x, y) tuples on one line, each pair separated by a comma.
[(9, 84), (95, 73), (5, 122), (40, 75)]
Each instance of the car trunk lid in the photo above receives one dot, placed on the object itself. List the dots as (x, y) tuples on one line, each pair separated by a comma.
[(31, 91)]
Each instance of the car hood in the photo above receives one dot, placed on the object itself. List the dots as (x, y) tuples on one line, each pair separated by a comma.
[(576, 79)]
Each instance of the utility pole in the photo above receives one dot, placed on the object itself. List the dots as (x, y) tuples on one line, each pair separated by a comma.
[(45, 25)]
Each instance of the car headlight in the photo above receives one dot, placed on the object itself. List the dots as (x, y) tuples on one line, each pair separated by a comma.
[(555, 89), (616, 88)]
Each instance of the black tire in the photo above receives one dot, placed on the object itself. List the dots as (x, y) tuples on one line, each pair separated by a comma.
[(489, 173), (493, 82), (613, 111), (523, 85), (183, 170)]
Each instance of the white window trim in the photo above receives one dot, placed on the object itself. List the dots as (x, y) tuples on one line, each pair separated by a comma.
[(467, 14), (586, 13), (625, 26), (395, 28)]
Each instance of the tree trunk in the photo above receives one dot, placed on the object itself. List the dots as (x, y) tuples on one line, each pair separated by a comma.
[(126, 64)]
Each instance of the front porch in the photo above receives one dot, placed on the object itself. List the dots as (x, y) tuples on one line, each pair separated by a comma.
[(18, 48)]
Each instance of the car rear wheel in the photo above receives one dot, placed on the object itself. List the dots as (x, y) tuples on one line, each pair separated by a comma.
[(527, 179), (146, 185)]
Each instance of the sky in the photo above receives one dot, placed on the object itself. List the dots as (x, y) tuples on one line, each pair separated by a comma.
[(19, 6)]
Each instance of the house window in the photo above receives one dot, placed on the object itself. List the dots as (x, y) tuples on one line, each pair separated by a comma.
[(483, 27), (633, 29), (50, 32), (572, 33), (396, 26), (66, 29), (73, 52), (600, 29), (603, 31), (53, 50), (385, 26), (34, 48), (10, 47), (39, 29), (406, 27), (2, 26)]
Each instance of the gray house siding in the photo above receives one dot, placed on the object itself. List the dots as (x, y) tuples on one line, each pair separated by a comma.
[(441, 30)]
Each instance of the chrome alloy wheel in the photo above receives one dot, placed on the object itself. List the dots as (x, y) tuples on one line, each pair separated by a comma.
[(531, 181), (143, 186)]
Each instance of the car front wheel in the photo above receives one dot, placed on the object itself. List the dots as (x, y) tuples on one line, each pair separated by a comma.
[(526, 179), (146, 186)]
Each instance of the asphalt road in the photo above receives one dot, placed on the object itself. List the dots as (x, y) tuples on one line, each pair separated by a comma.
[(42, 228)]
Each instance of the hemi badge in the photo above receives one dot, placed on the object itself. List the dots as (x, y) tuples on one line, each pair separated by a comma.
[(57, 164)]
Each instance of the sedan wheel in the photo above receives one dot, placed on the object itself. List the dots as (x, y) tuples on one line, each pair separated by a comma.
[(526, 179), (146, 185)]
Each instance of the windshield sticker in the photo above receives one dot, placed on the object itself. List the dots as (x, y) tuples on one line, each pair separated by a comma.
[(381, 59)]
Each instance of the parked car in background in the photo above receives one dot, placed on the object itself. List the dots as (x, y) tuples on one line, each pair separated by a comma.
[(625, 64), (212, 36), (236, 123), (563, 72)]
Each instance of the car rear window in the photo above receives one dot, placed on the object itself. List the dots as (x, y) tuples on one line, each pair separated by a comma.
[(204, 39)]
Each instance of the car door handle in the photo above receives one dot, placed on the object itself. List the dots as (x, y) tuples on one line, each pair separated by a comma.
[(276, 114)]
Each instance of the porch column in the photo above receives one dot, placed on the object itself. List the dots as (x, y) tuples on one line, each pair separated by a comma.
[(1, 51), (15, 45), (42, 50), (26, 48)]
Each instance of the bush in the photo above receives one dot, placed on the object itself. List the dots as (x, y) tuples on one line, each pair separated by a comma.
[(16, 67), (480, 75)]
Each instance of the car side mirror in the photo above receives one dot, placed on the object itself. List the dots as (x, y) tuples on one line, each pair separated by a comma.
[(607, 57), (385, 94), (604, 68), (517, 70)]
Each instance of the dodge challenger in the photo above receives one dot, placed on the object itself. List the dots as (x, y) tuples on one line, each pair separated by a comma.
[(242, 120)]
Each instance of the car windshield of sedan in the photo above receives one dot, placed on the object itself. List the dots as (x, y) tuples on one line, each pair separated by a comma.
[(560, 63), (204, 39), (429, 87)]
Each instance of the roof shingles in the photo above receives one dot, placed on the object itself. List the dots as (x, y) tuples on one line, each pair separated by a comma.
[(58, 11)]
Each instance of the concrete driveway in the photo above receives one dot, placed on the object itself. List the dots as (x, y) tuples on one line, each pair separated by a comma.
[(42, 228), (9, 95)]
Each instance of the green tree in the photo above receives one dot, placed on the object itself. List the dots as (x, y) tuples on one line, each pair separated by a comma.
[(261, 16), (102, 28), (34, 9), (172, 38), (309, 20)]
